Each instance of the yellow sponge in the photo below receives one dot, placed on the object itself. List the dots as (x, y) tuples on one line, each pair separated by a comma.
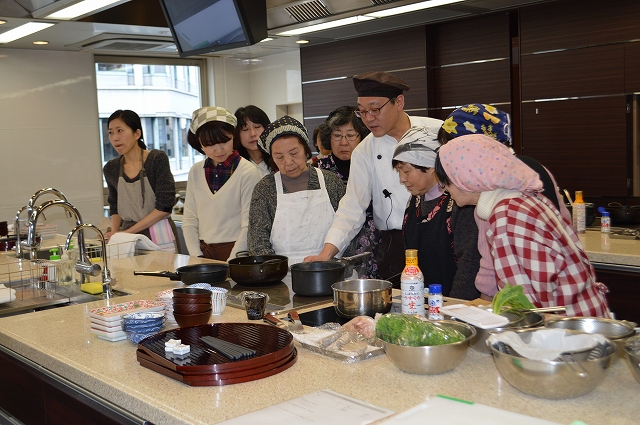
[(94, 288)]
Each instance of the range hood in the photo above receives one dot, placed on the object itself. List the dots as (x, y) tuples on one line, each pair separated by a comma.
[(139, 27)]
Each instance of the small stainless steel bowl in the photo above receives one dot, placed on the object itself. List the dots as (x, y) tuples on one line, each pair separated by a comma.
[(553, 379), (433, 359), (632, 349), (618, 331), (361, 297)]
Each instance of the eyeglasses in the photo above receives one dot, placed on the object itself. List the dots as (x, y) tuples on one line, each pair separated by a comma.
[(352, 137), (372, 112)]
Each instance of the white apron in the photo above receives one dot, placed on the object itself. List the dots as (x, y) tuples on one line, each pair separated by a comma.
[(302, 220)]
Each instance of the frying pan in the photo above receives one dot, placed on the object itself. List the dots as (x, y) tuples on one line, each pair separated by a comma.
[(622, 214), (196, 273), (258, 269)]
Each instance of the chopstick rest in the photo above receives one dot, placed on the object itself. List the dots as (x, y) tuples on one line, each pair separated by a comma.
[(228, 349)]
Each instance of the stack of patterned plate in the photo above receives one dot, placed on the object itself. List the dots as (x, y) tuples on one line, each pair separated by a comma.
[(202, 365), (106, 321), (166, 298)]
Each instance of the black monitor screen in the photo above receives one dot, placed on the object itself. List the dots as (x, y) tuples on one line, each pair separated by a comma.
[(200, 26)]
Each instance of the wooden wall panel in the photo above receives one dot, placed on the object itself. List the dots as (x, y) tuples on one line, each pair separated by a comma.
[(399, 49), (576, 23), (584, 72), (487, 82), (631, 67), (481, 38), (325, 96), (582, 142)]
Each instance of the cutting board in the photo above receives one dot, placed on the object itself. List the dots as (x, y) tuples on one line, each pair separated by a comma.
[(442, 410)]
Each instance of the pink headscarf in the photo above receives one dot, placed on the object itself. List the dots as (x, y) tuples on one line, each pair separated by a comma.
[(477, 163)]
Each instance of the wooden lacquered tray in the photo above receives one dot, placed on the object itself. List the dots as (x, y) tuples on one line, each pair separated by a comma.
[(274, 353)]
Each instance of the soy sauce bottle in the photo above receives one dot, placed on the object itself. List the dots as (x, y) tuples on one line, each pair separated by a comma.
[(412, 285)]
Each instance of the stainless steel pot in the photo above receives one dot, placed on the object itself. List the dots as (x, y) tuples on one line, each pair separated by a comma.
[(361, 297)]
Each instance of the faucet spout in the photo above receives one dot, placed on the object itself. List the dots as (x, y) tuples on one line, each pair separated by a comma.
[(16, 230), (41, 192), (33, 219), (106, 273)]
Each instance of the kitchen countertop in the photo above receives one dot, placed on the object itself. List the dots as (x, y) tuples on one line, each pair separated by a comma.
[(60, 340), (610, 249)]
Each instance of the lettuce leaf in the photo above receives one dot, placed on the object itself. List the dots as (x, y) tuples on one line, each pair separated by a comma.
[(511, 297), (405, 329)]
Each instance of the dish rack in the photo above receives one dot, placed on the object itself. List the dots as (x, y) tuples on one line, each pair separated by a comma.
[(32, 279)]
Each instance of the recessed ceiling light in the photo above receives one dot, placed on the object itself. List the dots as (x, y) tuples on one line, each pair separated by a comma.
[(79, 9), (327, 25), (411, 8), (302, 41), (23, 31), (40, 42)]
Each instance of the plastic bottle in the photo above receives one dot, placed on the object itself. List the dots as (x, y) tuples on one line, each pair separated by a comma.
[(412, 285), (605, 222), (435, 301), (579, 213), (53, 269)]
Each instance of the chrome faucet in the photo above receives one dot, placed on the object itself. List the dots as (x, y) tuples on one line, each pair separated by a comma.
[(106, 273), (33, 219), (16, 230), (29, 208)]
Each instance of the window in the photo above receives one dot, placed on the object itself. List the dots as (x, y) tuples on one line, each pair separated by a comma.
[(163, 92)]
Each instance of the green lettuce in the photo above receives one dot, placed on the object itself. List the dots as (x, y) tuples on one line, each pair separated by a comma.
[(510, 297), (405, 329)]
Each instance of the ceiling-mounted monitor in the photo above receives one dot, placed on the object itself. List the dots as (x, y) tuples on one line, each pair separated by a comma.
[(205, 26)]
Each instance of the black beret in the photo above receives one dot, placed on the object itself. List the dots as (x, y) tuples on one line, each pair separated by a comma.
[(379, 84)]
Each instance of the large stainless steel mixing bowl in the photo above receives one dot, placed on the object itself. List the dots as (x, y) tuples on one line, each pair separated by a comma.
[(618, 331), (559, 379), (434, 359), (361, 297), (632, 349)]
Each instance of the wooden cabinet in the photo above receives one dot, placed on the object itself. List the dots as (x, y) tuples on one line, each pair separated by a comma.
[(34, 395), (624, 289)]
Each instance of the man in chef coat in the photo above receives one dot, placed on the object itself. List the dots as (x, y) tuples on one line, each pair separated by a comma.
[(372, 177)]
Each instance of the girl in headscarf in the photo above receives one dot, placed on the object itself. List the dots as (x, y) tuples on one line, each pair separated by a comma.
[(478, 118), (530, 243)]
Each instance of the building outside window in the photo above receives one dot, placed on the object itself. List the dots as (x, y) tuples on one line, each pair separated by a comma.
[(164, 95)]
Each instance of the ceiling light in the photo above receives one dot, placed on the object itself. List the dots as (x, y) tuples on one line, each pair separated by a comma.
[(411, 8), (327, 25), (302, 41), (79, 9), (23, 31), (40, 42), (2, 22)]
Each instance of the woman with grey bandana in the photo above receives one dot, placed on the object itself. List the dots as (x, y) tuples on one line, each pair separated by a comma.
[(445, 235)]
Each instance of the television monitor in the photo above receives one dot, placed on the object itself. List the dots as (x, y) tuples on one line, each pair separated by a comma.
[(204, 26)]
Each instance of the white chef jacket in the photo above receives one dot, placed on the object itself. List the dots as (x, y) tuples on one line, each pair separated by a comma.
[(370, 174)]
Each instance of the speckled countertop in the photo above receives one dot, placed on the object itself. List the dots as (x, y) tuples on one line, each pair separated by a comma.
[(60, 340), (605, 248)]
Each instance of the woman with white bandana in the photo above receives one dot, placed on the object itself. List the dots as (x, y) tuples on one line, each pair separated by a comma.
[(445, 235), (530, 244), (216, 207)]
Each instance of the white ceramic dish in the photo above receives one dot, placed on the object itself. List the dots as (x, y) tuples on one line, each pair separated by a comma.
[(109, 336), (100, 327)]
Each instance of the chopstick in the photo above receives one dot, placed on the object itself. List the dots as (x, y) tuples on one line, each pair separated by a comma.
[(228, 349)]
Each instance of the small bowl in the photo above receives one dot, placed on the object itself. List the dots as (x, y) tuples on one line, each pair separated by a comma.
[(191, 301), (152, 329), (552, 379), (191, 293), (632, 349), (361, 297), (191, 308), (433, 359), (185, 320), (142, 318), (136, 337)]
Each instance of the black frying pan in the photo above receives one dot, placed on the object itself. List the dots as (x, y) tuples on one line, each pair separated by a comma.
[(196, 273), (258, 269)]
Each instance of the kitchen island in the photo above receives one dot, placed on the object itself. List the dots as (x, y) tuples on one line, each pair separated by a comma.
[(60, 342)]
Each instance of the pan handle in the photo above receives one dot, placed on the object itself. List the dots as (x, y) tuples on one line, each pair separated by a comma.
[(164, 273), (355, 259), (614, 204), (244, 254)]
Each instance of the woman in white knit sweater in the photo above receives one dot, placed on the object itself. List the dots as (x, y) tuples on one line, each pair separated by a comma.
[(216, 207)]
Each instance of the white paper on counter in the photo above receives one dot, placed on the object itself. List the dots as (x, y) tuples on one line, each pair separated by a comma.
[(445, 411), (317, 408)]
